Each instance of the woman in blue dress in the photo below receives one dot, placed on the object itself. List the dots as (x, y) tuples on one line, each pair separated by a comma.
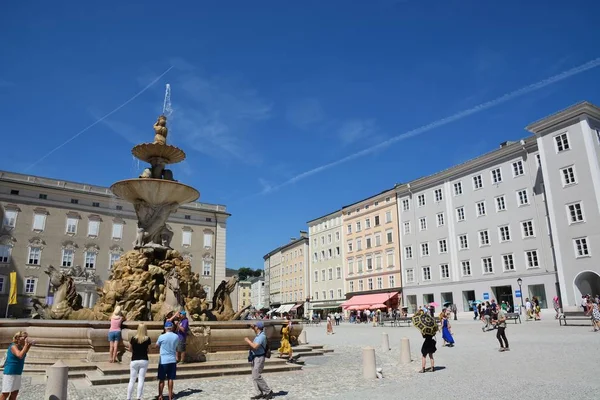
[(446, 331)]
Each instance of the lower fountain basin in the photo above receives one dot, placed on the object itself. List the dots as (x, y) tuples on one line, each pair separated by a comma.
[(154, 191)]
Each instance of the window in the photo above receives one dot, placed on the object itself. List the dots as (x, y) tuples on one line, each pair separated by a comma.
[(90, 259), (440, 219), (351, 287), (72, 225), (379, 282), (35, 254), (67, 257), (517, 168), (208, 239), (421, 199), (358, 244), (350, 246), (405, 205), (562, 142), (378, 262), (377, 220), (408, 253), (206, 267), (338, 272), (349, 228), (331, 293), (442, 246), (484, 238), (119, 208), (444, 271), (2, 283), (527, 227), (186, 238), (378, 240), (370, 283), (522, 197), (568, 176), (330, 238), (95, 204), (437, 194), (358, 227), (117, 231), (323, 237), (315, 257), (389, 236), (422, 224), (538, 159), (368, 242), (477, 182), (93, 228), (500, 203), (10, 219), (424, 249), (388, 217), (581, 247), (330, 274), (481, 209), (466, 267), (488, 265), (30, 285), (532, 259), (410, 275), (337, 236), (316, 276), (407, 228), (114, 257), (74, 201), (39, 222), (496, 175), (463, 241), (426, 273), (458, 188), (339, 293), (508, 262), (43, 196), (392, 281), (390, 259), (575, 212), (361, 285), (369, 264), (14, 192), (504, 233), (350, 268), (4, 254), (460, 214), (314, 242), (359, 265), (317, 293)]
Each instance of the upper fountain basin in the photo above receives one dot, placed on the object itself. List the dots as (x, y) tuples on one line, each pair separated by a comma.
[(149, 151), (154, 191)]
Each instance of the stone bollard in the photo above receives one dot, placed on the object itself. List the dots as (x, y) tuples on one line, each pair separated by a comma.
[(385, 342), (302, 337), (369, 369), (57, 380), (405, 351)]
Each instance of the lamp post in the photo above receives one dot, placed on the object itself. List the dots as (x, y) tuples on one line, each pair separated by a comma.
[(520, 282)]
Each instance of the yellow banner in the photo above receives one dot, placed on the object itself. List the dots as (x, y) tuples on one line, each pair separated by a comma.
[(12, 298)]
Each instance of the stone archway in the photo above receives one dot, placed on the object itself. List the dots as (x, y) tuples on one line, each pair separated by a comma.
[(586, 282)]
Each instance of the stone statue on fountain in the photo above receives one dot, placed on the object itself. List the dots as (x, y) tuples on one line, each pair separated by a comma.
[(153, 279)]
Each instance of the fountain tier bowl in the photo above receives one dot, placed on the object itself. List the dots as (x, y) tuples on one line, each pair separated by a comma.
[(149, 151), (154, 191)]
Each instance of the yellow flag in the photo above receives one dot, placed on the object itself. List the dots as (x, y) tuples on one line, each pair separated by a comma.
[(12, 298)]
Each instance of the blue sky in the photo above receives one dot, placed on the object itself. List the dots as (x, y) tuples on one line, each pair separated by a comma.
[(264, 92)]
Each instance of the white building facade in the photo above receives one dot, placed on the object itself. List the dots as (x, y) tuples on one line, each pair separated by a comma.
[(258, 295)]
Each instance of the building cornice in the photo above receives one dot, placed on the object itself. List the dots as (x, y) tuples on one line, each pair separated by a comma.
[(325, 217), (360, 203), (528, 144), (540, 127)]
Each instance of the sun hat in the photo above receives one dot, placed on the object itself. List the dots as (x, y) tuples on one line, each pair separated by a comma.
[(260, 325)]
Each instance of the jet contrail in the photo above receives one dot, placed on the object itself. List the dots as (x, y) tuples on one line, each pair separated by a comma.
[(444, 121), (39, 160)]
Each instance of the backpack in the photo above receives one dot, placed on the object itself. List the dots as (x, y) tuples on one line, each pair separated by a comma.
[(268, 350)]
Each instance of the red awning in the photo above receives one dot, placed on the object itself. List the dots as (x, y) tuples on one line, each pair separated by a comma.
[(296, 307), (369, 299)]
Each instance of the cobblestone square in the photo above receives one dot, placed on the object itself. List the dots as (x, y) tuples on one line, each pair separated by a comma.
[(545, 361)]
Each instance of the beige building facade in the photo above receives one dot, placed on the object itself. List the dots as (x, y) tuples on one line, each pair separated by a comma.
[(371, 243), (46, 222), (294, 272), (244, 294), (326, 272)]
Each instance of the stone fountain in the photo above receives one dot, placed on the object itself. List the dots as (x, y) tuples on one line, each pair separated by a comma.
[(147, 282)]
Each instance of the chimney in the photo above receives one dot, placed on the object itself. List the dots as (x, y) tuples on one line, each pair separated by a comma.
[(303, 234), (292, 239)]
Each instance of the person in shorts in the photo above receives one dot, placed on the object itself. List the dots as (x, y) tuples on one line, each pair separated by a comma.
[(14, 364), (182, 331), (167, 363)]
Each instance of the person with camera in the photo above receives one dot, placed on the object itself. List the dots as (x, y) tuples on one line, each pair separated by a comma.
[(258, 353), (13, 366)]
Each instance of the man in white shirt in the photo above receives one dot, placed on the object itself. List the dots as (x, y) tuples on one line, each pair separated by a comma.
[(528, 308)]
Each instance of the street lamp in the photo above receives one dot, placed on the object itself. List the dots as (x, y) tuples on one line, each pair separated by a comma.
[(520, 282)]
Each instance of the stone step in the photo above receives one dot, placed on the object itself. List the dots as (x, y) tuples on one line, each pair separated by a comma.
[(95, 378)]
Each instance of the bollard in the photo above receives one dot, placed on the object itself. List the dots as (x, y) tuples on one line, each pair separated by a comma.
[(385, 342), (369, 370), (302, 337), (57, 380), (405, 351)]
